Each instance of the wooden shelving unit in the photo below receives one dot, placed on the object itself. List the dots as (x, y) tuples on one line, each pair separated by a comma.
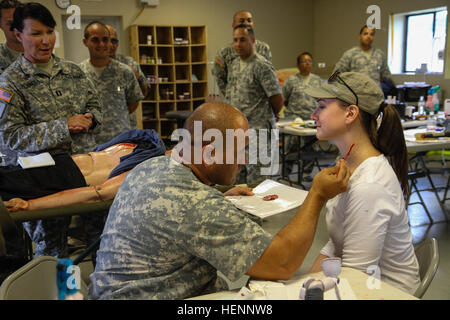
[(174, 59)]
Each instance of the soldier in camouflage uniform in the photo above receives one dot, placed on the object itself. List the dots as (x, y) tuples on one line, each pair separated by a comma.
[(115, 82), (253, 88), (129, 61), (169, 239), (226, 55), (12, 48), (365, 59), (47, 104), (299, 104)]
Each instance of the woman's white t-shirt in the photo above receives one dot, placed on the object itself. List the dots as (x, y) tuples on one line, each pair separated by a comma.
[(368, 226)]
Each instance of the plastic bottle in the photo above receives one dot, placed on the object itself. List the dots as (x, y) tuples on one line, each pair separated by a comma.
[(429, 103), (435, 99), (439, 93), (421, 105)]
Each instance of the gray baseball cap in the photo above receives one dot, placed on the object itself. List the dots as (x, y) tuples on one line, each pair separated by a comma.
[(370, 95)]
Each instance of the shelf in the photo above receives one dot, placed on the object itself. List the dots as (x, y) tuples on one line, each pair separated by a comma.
[(198, 54), (181, 52), (163, 35), (198, 35)]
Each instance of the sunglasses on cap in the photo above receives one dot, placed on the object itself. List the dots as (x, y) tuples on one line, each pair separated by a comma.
[(336, 78)]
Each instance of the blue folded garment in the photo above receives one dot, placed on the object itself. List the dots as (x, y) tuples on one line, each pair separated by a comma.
[(149, 145)]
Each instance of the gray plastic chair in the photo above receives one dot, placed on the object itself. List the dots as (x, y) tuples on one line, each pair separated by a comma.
[(34, 281), (428, 257)]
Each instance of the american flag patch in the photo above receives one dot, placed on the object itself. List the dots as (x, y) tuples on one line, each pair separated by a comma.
[(220, 61), (5, 95)]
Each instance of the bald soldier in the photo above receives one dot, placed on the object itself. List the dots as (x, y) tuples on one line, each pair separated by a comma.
[(253, 87), (226, 55), (170, 238), (115, 82)]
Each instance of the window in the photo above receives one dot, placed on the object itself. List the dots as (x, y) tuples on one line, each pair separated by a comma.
[(417, 41), (425, 41)]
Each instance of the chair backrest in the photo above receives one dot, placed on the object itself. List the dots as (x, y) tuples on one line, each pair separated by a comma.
[(34, 281), (428, 257)]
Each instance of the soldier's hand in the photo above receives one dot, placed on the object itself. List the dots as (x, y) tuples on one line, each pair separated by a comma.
[(136, 74), (16, 204), (239, 191), (329, 182), (79, 123)]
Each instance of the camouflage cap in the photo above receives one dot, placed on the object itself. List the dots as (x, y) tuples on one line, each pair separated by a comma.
[(370, 95)]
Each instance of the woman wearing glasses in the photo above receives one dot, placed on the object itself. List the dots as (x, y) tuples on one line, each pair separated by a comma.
[(298, 103), (368, 224)]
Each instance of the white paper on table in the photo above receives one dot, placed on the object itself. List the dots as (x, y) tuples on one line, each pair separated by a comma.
[(288, 198)]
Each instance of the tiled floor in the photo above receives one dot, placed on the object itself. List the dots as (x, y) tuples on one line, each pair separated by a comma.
[(421, 229)]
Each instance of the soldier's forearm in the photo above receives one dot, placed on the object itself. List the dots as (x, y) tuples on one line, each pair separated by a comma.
[(144, 88), (38, 137)]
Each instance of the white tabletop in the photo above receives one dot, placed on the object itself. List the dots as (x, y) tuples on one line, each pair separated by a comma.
[(417, 123), (296, 130), (414, 145), (362, 285)]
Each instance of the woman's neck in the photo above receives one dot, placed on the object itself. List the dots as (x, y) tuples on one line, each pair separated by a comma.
[(356, 150)]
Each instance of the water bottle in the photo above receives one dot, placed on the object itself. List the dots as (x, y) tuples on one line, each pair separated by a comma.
[(421, 105)]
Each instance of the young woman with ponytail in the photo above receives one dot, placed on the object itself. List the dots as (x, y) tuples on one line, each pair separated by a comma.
[(368, 224)]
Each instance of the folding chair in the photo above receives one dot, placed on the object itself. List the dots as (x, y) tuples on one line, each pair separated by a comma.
[(34, 281), (427, 254)]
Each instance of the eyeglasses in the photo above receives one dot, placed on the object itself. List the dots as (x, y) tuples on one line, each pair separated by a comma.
[(336, 78), (114, 41)]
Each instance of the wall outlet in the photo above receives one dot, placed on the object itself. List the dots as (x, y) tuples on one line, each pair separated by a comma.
[(149, 3)]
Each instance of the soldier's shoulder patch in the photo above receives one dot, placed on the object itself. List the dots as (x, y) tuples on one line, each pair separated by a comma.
[(220, 61), (5, 95)]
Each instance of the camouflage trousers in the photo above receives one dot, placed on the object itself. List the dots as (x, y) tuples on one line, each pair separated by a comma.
[(50, 236)]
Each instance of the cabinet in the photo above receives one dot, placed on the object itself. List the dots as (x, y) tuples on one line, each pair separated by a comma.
[(174, 60)]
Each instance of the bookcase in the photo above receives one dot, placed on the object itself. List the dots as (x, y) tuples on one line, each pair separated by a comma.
[(174, 60)]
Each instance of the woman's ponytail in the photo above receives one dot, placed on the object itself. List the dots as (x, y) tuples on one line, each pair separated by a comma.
[(389, 140)]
